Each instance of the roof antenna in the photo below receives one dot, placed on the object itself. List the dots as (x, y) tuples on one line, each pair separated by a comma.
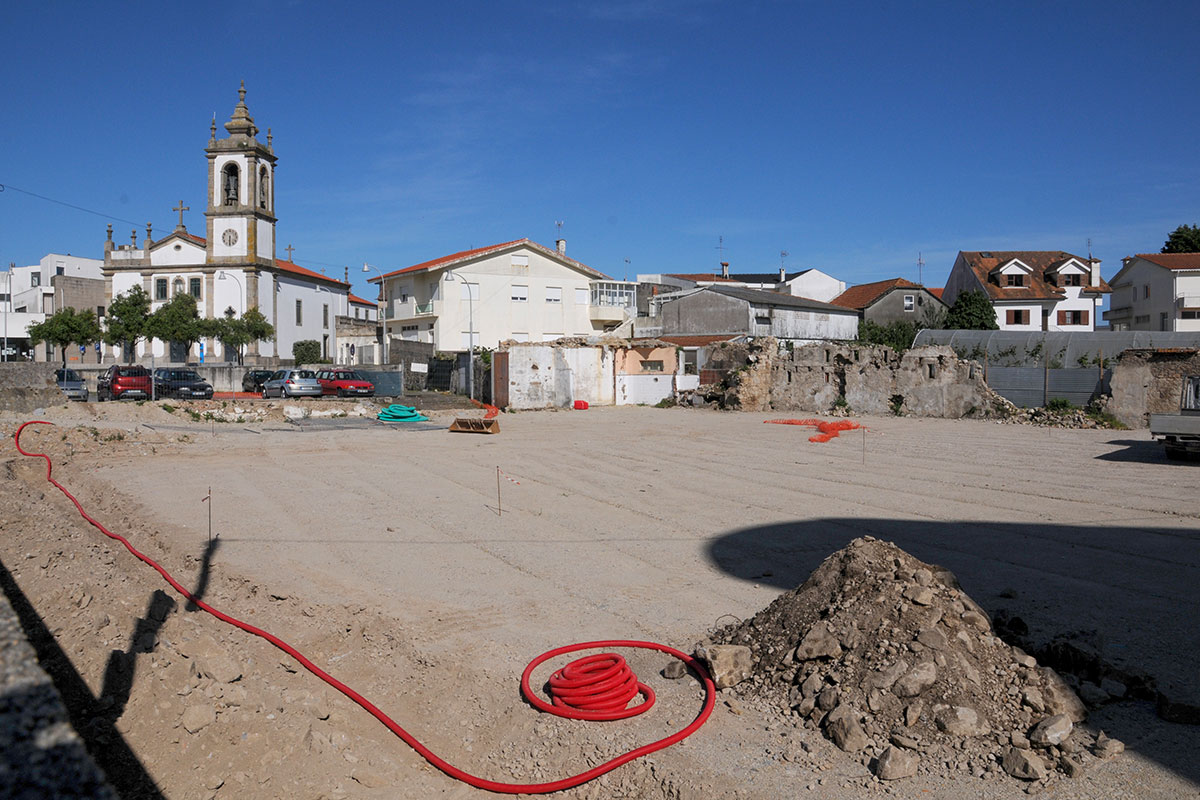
[(627, 269), (721, 247), (1089, 242), (558, 223), (920, 269), (782, 255)]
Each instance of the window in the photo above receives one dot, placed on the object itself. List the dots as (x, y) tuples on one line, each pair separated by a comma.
[(469, 341), (299, 312), (1146, 291), (1162, 322), (520, 263), (59, 269), (1072, 318), (229, 184), (325, 315), (932, 369), (910, 302), (581, 297), (1141, 319), (652, 366), (520, 294), (99, 312), (263, 187), (177, 286), (1074, 279), (469, 291), (761, 320), (194, 287), (1189, 314), (160, 288), (1018, 316), (553, 294), (1014, 280), (35, 279), (550, 337), (520, 336)]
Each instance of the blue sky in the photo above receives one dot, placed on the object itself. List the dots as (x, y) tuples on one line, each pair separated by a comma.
[(851, 135)]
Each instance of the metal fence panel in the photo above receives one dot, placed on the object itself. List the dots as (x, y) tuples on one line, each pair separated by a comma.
[(1027, 386), (388, 383), (1021, 386)]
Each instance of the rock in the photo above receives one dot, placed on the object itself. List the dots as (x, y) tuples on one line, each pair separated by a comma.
[(728, 664), (674, 670), (1051, 730), (1092, 695), (976, 620), (961, 721), (921, 595), (1019, 740), (912, 713), (1032, 697), (895, 763), (212, 660), (818, 643), (1113, 688), (196, 718), (827, 700), (885, 678), (903, 740), (916, 680), (842, 726), (806, 706), (1176, 704), (1107, 748), (876, 701), (1023, 765), (1059, 698), (1070, 767), (932, 637), (812, 684), (923, 577)]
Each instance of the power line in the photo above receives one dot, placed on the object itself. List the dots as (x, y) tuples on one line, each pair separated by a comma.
[(5, 187)]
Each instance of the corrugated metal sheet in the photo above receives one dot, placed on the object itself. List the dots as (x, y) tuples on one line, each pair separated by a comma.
[(1028, 386), (1060, 348)]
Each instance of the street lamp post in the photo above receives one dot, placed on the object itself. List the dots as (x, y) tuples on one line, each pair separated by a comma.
[(378, 309), (222, 275), (470, 333)]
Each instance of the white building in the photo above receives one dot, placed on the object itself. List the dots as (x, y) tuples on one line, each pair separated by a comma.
[(811, 283), (234, 265), (518, 290), (1156, 292), (1031, 290), (30, 294)]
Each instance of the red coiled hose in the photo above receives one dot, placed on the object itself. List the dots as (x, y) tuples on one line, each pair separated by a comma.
[(828, 428), (579, 669)]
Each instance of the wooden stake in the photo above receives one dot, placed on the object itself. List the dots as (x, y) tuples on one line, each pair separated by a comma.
[(499, 513)]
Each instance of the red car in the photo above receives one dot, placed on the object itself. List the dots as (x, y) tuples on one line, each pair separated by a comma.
[(121, 381), (344, 383)]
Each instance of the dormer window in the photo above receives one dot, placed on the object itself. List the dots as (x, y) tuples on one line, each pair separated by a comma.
[(1014, 280), (1072, 279), (229, 184)]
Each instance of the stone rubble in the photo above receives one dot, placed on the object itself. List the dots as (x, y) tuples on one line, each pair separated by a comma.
[(898, 666)]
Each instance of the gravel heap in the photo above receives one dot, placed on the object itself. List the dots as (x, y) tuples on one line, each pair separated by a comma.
[(896, 664)]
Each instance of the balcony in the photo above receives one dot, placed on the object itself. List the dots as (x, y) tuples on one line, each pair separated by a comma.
[(612, 301), (1189, 301), (408, 309)]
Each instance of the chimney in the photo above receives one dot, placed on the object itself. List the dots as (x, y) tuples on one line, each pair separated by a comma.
[(346, 277), (782, 275), (561, 246), (724, 269)]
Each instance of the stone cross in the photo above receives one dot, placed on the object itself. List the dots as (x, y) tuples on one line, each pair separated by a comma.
[(181, 208), (289, 249)]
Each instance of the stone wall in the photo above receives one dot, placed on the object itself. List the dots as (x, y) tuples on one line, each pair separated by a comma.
[(1146, 382), (25, 386), (864, 379)]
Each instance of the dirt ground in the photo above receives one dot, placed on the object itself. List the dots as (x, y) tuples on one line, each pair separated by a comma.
[(384, 553)]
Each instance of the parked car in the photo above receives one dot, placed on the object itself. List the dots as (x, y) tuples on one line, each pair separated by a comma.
[(121, 381), (71, 384), (182, 383), (292, 383), (344, 383), (254, 379)]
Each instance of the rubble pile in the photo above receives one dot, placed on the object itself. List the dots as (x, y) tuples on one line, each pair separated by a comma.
[(894, 663)]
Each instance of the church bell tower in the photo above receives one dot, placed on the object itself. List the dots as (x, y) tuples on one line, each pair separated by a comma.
[(241, 194)]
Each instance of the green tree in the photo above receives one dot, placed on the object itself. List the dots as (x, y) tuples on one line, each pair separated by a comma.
[(897, 335), (306, 351), (178, 321), (257, 327), (972, 311), (1184, 239), (127, 319), (66, 327)]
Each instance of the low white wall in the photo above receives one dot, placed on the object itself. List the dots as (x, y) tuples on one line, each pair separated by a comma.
[(543, 376), (643, 389)]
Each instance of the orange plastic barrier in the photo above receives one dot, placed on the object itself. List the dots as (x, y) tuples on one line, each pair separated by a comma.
[(829, 429)]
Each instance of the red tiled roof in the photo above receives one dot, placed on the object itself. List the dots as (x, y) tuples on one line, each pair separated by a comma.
[(698, 340), (465, 255), (865, 294), (935, 292), (356, 299), (288, 266), (1173, 260), (1039, 262)]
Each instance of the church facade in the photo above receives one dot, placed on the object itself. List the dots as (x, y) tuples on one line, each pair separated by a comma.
[(233, 266)]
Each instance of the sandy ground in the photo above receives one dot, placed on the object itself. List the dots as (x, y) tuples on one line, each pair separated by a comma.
[(383, 549)]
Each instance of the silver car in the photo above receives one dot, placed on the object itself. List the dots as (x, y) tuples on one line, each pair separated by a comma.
[(292, 383), (71, 384)]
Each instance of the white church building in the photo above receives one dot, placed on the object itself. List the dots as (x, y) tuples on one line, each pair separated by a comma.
[(233, 265)]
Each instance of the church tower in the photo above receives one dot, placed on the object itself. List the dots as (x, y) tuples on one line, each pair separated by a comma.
[(241, 194)]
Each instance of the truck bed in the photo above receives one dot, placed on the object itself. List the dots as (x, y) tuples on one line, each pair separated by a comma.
[(1175, 425)]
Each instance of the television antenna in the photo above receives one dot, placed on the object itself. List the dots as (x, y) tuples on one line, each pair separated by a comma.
[(782, 255), (558, 223), (920, 268), (626, 269), (721, 247)]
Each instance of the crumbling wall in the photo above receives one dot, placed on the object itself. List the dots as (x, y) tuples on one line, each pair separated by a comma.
[(864, 379), (1146, 382), (27, 385)]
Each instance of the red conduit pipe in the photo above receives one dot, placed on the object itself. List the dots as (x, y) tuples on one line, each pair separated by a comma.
[(492, 411), (571, 672), (828, 428)]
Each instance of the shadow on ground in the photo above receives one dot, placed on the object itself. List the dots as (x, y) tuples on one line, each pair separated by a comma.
[(1143, 451), (1129, 588)]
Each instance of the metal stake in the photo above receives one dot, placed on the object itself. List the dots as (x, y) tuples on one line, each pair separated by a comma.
[(208, 499), (499, 513)]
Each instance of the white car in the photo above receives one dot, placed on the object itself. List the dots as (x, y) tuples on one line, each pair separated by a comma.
[(292, 383)]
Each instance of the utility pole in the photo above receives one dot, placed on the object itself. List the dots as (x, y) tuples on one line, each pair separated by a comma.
[(7, 306)]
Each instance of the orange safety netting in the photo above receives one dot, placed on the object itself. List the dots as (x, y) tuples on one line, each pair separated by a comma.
[(829, 429)]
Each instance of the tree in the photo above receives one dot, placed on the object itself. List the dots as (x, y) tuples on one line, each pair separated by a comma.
[(972, 311), (177, 321), (1184, 239), (127, 320), (66, 327), (306, 351)]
